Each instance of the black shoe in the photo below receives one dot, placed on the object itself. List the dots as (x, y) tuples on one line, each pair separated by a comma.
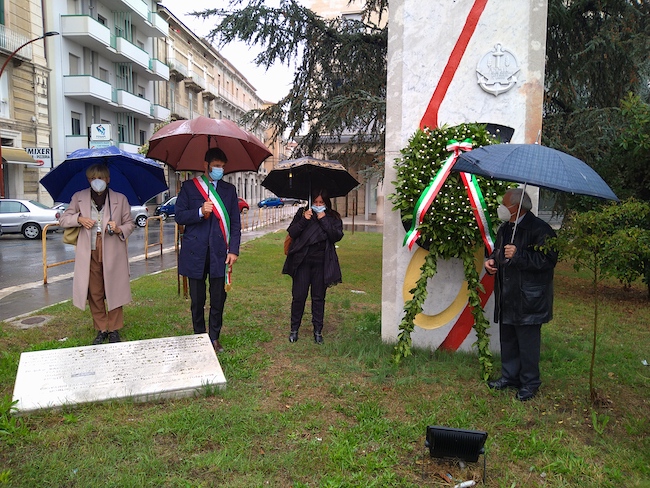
[(101, 337), (293, 336), (217, 346), (501, 384), (114, 336), (318, 338), (526, 393)]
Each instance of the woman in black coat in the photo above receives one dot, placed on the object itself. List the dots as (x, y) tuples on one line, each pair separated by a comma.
[(312, 261)]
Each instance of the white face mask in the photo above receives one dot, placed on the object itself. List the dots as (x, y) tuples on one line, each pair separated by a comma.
[(503, 213), (98, 185)]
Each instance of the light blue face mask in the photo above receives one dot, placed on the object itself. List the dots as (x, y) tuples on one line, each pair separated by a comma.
[(318, 208), (216, 173)]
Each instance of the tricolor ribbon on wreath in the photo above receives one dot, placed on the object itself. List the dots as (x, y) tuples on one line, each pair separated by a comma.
[(433, 188), (209, 192)]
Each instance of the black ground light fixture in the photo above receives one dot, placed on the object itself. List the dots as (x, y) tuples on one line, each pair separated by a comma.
[(465, 445)]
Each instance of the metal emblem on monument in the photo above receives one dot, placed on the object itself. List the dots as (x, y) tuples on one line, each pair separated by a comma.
[(497, 71)]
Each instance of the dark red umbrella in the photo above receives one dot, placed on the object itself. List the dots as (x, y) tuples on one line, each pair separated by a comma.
[(182, 145)]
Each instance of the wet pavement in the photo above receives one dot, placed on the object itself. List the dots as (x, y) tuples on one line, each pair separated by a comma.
[(20, 296)]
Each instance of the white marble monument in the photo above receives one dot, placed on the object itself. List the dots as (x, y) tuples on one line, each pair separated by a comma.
[(143, 370), (451, 63)]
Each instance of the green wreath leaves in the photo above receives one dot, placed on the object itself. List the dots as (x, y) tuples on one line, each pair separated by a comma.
[(449, 228)]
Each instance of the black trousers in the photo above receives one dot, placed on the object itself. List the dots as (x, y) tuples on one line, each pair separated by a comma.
[(520, 352), (310, 274), (217, 301)]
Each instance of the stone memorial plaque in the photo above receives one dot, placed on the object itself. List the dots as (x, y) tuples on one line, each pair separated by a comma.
[(143, 370)]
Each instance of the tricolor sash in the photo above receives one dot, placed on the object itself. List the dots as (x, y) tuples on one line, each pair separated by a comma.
[(209, 192)]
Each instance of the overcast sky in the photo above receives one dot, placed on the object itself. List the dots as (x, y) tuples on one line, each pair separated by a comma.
[(271, 85)]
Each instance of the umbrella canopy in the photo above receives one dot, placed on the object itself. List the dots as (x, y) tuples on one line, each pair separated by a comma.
[(295, 178), (537, 165), (182, 145), (133, 175)]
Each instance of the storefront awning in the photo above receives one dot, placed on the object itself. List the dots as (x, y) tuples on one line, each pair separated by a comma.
[(17, 155)]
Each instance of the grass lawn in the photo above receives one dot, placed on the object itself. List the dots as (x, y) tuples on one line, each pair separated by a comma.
[(341, 414)]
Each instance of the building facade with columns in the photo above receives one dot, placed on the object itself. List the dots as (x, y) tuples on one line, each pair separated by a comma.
[(24, 89)]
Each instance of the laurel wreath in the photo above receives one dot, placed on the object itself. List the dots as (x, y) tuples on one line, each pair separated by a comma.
[(449, 229)]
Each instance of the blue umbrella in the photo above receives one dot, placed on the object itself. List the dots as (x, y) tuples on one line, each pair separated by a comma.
[(133, 175), (536, 165)]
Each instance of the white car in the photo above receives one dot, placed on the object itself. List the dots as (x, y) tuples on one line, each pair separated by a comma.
[(26, 217), (139, 213)]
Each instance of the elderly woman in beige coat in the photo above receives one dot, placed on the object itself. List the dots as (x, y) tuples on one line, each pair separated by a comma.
[(101, 269)]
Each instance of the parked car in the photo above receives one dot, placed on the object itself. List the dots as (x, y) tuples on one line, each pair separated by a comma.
[(243, 206), (26, 217), (271, 202), (167, 209), (293, 201), (139, 213)]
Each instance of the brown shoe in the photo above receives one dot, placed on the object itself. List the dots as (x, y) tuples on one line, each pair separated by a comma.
[(217, 347)]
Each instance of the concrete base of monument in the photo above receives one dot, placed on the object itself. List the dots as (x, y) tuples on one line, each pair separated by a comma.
[(144, 370)]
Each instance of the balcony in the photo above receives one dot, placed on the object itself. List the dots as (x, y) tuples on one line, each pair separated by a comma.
[(139, 7), (87, 89), (132, 103), (128, 147), (210, 92), (177, 69), (180, 112), (159, 24), (159, 69), (194, 81), (160, 113), (86, 31), (125, 51), (74, 142), (10, 41)]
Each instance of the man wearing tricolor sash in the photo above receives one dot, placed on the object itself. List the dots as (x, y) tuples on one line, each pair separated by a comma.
[(208, 208)]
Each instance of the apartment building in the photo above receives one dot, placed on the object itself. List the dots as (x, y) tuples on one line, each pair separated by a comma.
[(24, 86), (105, 68)]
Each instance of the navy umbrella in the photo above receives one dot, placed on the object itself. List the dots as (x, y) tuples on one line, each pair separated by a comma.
[(133, 175), (536, 165)]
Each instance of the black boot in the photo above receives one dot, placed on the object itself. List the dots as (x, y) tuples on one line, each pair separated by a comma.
[(293, 336), (318, 338)]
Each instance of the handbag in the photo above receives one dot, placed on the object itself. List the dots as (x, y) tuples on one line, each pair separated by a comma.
[(287, 244), (70, 235)]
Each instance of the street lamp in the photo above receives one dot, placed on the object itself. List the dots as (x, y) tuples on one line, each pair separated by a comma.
[(2, 70)]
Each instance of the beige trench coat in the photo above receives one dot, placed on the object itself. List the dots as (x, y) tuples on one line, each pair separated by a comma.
[(115, 252)]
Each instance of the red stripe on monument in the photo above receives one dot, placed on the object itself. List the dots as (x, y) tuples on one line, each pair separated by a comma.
[(430, 118), (463, 325)]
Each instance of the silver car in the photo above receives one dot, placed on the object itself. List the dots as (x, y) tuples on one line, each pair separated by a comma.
[(139, 213), (26, 217)]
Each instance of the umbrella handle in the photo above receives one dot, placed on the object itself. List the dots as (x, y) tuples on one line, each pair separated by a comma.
[(521, 199)]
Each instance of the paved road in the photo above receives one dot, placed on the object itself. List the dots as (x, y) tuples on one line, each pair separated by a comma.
[(21, 266)]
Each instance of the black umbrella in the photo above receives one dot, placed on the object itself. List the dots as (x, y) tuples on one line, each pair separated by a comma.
[(296, 178)]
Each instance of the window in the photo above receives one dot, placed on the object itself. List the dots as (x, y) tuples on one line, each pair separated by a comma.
[(143, 137), (12, 207), (141, 91), (101, 19), (73, 61), (4, 95), (76, 124), (103, 74)]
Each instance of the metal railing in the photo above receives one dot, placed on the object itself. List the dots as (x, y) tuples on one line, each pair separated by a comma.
[(146, 236), (45, 263)]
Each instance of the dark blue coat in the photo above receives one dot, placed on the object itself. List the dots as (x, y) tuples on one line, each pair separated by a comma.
[(203, 235)]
